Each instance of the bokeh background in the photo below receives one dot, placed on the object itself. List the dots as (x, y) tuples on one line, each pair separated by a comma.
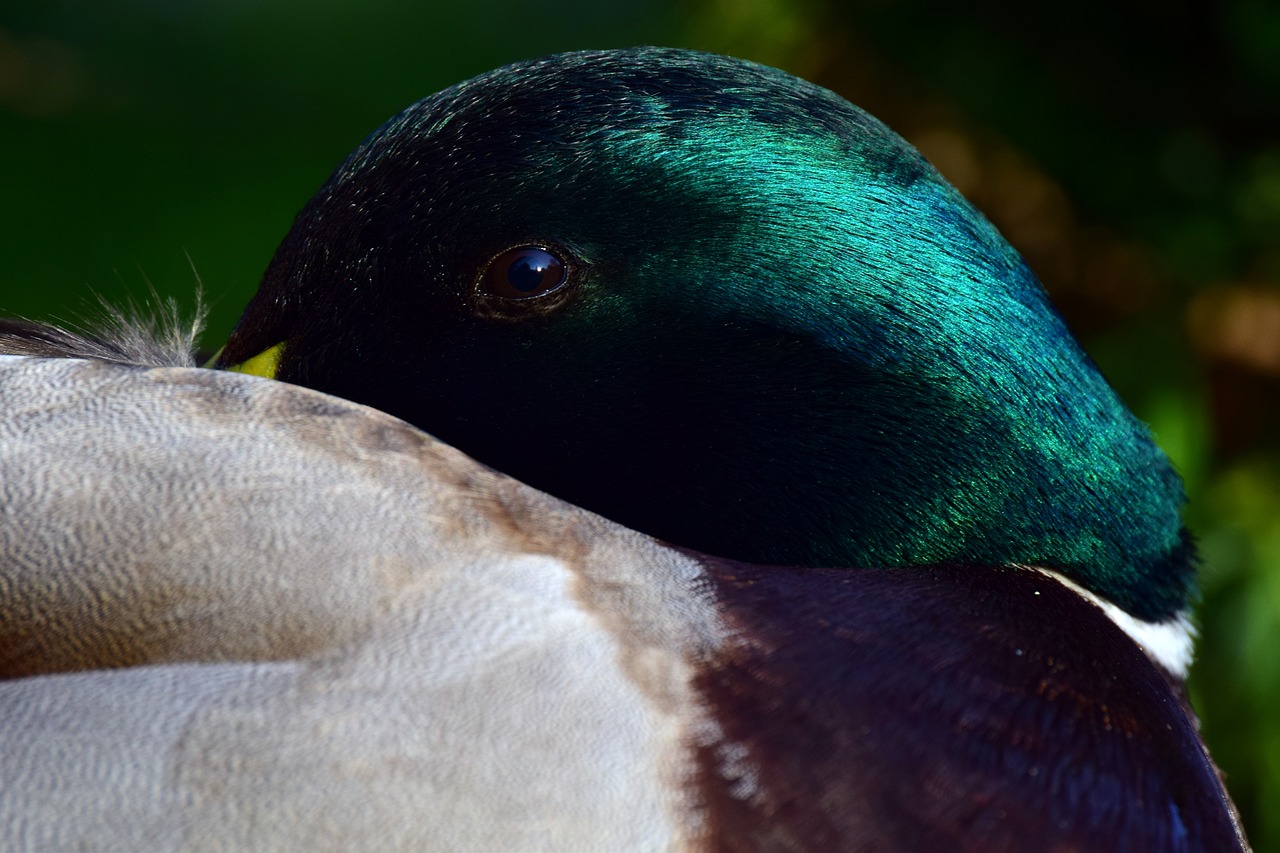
[(1131, 150)]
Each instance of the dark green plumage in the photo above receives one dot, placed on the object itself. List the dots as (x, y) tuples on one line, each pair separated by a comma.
[(783, 338)]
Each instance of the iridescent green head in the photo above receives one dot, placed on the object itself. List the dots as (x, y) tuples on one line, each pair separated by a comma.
[(727, 308)]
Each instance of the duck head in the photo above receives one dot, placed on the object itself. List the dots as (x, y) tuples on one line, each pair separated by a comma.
[(724, 307)]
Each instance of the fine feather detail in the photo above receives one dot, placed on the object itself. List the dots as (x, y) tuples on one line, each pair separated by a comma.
[(1170, 643), (158, 336)]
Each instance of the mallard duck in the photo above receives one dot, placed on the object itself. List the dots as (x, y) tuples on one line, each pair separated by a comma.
[(761, 501)]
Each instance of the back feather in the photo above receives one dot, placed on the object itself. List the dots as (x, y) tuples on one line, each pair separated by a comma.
[(158, 337)]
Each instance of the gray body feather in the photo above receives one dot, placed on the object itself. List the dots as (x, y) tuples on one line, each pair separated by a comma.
[(236, 614)]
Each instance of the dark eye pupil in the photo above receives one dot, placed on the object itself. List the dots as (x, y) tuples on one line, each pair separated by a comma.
[(530, 270), (524, 272)]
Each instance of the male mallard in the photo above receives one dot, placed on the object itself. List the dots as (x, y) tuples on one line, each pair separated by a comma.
[(710, 302)]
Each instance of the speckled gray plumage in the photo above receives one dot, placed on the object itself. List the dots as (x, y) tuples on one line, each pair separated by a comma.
[(237, 614)]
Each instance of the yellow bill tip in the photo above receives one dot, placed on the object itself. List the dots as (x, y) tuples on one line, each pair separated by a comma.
[(264, 364)]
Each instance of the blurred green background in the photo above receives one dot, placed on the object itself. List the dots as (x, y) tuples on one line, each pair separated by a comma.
[(1131, 151)]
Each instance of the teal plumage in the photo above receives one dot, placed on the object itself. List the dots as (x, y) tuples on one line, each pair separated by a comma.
[(774, 293), (907, 575)]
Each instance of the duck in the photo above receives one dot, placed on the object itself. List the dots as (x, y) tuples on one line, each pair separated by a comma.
[(632, 449)]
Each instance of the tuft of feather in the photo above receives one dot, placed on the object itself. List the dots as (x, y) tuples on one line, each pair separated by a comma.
[(156, 337)]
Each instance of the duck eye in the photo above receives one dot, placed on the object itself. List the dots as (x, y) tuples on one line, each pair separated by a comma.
[(523, 273)]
